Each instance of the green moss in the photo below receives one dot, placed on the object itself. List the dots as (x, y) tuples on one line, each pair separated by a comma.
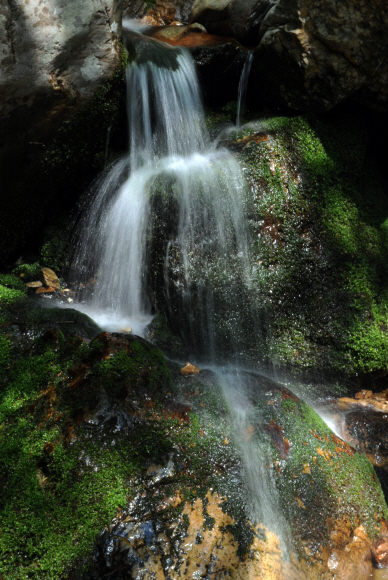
[(53, 251), (5, 355), (140, 359), (56, 498), (321, 475), (318, 221), (8, 295), (30, 271)]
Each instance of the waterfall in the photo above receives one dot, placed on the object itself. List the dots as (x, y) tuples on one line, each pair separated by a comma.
[(242, 89), (170, 155), (201, 190)]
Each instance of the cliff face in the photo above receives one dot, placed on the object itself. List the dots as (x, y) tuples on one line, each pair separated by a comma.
[(54, 55), (309, 54)]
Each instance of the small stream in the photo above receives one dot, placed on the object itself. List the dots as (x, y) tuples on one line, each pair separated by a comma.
[(171, 158)]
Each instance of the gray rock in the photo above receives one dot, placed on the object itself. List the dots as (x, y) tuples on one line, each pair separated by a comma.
[(54, 54), (310, 54)]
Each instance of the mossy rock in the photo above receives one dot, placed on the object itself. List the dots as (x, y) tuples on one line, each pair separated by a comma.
[(105, 434), (316, 303), (319, 231)]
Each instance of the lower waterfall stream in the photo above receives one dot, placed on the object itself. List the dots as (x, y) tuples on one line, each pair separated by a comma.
[(202, 191)]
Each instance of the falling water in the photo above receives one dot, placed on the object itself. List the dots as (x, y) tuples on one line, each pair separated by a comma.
[(168, 143), (242, 89), (171, 160)]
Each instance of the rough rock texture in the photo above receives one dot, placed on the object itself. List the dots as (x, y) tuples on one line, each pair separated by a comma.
[(162, 11), (240, 19), (53, 55), (310, 54), (315, 204), (102, 436)]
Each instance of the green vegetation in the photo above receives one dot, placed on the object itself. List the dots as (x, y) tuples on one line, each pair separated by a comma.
[(59, 488), (322, 474), (85, 425), (319, 220)]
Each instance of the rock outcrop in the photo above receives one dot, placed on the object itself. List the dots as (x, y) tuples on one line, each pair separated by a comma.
[(54, 55), (125, 452), (309, 54)]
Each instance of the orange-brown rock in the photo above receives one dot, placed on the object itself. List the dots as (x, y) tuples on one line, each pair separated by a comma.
[(200, 542), (364, 394), (43, 290), (49, 278), (193, 36), (189, 369), (379, 404)]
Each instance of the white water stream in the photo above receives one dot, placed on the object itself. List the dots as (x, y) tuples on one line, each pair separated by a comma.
[(168, 137), (242, 89)]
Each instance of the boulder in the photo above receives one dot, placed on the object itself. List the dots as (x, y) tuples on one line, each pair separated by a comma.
[(49, 278), (240, 19), (309, 54)]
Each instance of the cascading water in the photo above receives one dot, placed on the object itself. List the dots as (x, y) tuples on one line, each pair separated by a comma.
[(172, 161), (242, 89)]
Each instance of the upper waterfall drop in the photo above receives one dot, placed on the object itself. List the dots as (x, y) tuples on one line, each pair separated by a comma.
[(170, 156)]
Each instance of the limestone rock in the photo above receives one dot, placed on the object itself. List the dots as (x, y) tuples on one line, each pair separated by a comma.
[(49, 278), (52, 50), (310, 55), (54, 55)]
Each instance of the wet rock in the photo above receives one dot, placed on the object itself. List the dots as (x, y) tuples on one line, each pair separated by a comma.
[(309, 55), (127, 330), (379, 403), (36, 284), (184, 504), (364, 394), (170, 535), (45, 290), (367, 430), (49, 278), (189, 369)]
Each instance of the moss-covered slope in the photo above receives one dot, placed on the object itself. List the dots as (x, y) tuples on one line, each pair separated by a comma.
[(98, 432)]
